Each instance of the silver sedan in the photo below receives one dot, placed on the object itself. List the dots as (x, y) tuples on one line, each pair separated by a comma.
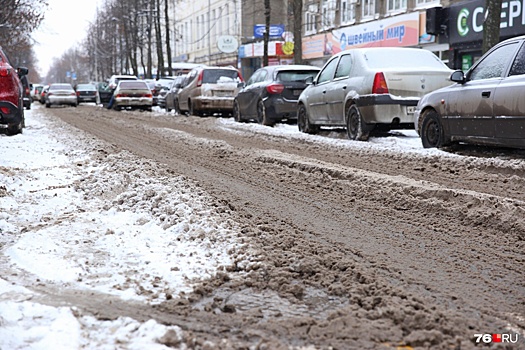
[(61, 94)]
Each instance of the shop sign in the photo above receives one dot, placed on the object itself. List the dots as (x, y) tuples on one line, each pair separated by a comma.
[(275, 48), (227, 44), (466, 20), (395, 31), (276, 30)]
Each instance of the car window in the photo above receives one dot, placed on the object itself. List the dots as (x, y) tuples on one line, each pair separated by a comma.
[(213, 76), (518, 66), (134, 85), (295, 75), (328, 71), (344, 66), (255, 77), (494, 64), (402, 58)]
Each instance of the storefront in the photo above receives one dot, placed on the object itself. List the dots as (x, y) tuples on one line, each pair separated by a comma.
[(405, 30), (465, 29), (250, 55)]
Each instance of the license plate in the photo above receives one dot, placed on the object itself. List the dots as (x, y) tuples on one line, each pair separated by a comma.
[(297, 92), (411, 109)]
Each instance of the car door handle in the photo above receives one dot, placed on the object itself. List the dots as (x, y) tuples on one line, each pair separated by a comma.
[(485, 94)]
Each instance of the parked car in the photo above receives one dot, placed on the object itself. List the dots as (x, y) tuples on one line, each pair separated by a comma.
[(161, 97), (43, 94), (12, 97), (26, 86), (208, 90), (87, 93), (114, 80), (271, 94), (61, 94), (132, 95), (370, 88), (36, 91), (171, 98), (486, 106)]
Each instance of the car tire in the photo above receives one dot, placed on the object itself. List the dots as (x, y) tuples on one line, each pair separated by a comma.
[(176, 106), (48, 105), (193, 111), (303, 121), (356, 129), (237, 112), (262, 116), (432, 132)]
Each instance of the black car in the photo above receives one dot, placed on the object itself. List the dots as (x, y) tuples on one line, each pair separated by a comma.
[(87, 93), (26, 91), (271, 94)]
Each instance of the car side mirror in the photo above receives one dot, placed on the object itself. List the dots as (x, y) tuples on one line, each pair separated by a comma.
[(22, 71), (241, 85), (309, 80), (458, 77)]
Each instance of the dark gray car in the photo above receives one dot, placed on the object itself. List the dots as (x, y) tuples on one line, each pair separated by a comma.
[(486, 106), (271, 94)]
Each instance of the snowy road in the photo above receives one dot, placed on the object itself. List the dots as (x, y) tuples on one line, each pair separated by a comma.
[(149, 230)]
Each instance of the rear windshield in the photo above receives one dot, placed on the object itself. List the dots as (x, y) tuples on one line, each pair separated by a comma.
[(133, 85), (86, 87), (213, 76), (403, 59), (296, 75), (60, 87)]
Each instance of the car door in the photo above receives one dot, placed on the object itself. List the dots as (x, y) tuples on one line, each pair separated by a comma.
[(184, 92), (470, 110), (337, 90), (248, 96), (509, 102), (318, 107)]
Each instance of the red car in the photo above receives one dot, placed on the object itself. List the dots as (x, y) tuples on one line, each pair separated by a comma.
[(11, 96)]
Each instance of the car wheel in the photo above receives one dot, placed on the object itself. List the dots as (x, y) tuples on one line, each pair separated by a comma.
[(262, 116), (176, 106), (48, 105), (237, 112), (194, 111), (355, 127), (432, 133), (303, 121)]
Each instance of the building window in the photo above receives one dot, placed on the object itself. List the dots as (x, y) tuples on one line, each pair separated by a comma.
[(369, 8), (348, 11), (310, 20), (397, 5), (422, 3), (328, 13)]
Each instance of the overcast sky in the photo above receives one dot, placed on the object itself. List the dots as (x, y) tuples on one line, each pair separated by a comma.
[(64, 26)]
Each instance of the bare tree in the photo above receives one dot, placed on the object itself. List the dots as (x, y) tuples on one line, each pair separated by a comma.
[(297, 9), (266, 37), (168, 38), (491, 27)]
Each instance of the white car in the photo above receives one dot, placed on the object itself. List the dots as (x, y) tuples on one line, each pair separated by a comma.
[(61, 94), (114, 80), (133, 95), (370, 88)]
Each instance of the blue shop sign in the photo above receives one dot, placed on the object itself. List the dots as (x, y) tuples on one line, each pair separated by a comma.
[(276, 30)]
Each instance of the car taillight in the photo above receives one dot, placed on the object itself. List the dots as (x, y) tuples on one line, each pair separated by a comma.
[(49, 94), (275, 88), (4, 72), (4, 110), (199, 79), (78, 93), (379, 86), (148, 95)]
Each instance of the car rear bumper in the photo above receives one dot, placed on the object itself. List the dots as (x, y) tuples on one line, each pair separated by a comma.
[(387, 109), (213, 103), (62, 100), (133, 102), (10, 115), (278, 108)]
